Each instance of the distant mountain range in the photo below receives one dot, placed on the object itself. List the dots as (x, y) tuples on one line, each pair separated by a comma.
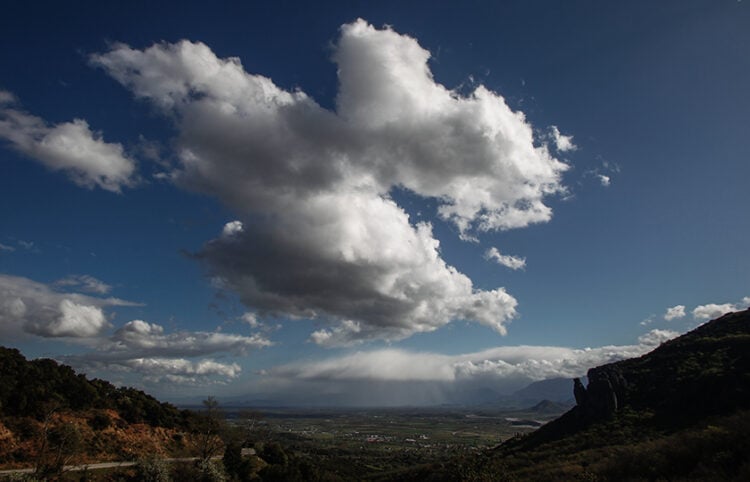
[(555, 389), (559, 390)]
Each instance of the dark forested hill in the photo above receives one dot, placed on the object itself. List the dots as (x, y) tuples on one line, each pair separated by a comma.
[(703, 373), (31, 388), (50, 417), (680, 412)]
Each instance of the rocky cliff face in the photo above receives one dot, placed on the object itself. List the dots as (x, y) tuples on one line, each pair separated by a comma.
[(709, 367), (606, 390), (704, 373)]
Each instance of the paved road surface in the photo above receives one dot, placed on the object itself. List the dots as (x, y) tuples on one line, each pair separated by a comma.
[(103, 465)]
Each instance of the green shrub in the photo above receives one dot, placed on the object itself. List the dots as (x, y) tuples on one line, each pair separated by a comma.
[(211, 472), (152, 469)]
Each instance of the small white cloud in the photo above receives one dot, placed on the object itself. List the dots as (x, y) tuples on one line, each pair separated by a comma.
[(712, 310), (36, 308), (610, 166), (512, 262), (181, 371), (165, 371), (71, 147), (163, 176), (675, 312), (232, 228), (139, 329), (603, 173), (6, 97), (251, 319), (346, 333), (562, 143), (656, 337), (85, 283), (149, 339), (9, 249), (75, 320)]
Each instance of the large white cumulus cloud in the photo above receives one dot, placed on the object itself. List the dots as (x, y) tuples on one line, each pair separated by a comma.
[(474, 153), (357, 259), (318, 234)]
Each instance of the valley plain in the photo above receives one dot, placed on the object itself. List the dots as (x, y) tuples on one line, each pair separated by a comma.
[(369, 443)]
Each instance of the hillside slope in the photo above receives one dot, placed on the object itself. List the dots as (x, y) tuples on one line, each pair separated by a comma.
[(680, 412), (703, 373), (30, 388), (46, 409)]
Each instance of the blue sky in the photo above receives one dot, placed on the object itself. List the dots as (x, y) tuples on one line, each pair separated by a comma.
[(368, 200)]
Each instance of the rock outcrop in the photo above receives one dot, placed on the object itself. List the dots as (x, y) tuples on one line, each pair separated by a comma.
[(579, 392), (606, 389), (693, 378)]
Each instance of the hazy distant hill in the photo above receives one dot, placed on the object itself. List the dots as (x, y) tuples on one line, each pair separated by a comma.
[(557, 390), (549, 407), (554, 389), (680, 412)]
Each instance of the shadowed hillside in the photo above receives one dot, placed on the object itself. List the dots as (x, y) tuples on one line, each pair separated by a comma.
[(51, 415), (32, 388), (681, 412), (703, 373)]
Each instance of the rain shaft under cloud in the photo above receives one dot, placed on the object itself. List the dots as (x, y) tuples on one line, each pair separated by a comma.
[(401, 377)]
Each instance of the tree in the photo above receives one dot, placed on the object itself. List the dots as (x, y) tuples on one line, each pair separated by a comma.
[(253, 430), (210, 425), (211, 472), (59, 443), (152, 469), (233, 458), (274, 454)]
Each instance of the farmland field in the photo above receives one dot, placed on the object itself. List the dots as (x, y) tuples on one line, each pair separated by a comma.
[(374, 442)]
